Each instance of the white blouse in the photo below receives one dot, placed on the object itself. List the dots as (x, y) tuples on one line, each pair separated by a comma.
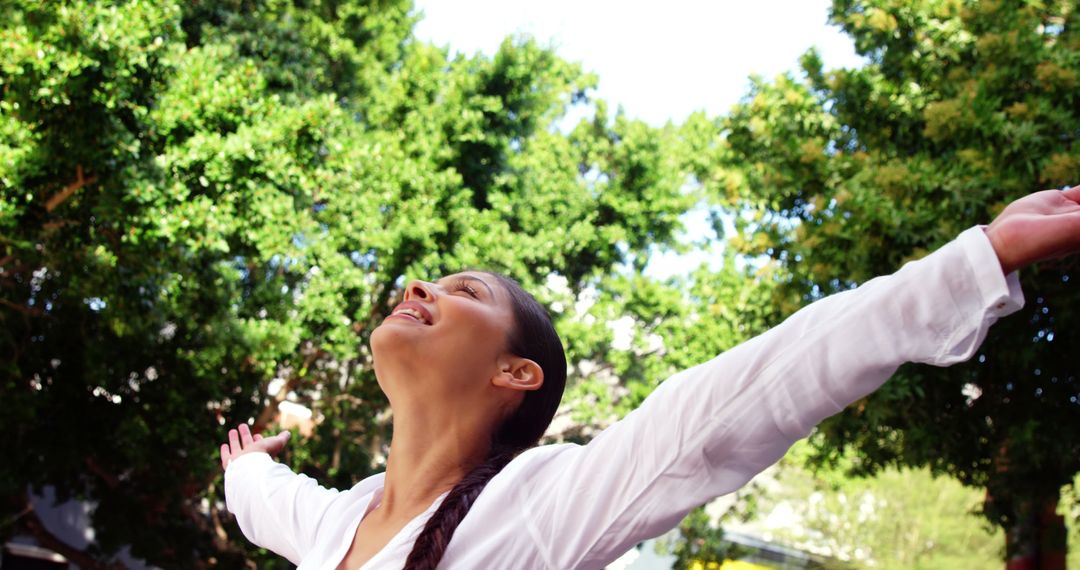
[(702, 433)]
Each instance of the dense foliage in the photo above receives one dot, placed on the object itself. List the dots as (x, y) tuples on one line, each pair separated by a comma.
[(206, 207), (841, 175)]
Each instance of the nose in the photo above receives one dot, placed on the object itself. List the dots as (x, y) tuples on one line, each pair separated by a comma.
[(419, 291)]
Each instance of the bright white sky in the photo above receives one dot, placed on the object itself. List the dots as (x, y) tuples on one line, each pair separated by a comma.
[(660, 62)]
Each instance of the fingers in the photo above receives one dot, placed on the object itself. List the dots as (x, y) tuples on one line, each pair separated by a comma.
[(242, 440), (234, 441), (277, 443), (1073, 193), (245, 435)]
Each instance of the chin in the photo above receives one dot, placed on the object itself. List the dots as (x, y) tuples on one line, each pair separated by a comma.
[(393, 342), (385, 338)]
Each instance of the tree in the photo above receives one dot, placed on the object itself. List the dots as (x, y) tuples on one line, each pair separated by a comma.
[(841, 175), (206, 207), (899, 518)]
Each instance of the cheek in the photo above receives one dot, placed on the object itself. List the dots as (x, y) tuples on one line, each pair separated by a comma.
[(472, 342), (475, 324), (469, 351)]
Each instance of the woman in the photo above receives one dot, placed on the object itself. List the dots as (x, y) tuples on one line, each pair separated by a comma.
[(474, 370)]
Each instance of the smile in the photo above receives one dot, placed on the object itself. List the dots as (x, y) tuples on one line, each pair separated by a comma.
[(411, 313)]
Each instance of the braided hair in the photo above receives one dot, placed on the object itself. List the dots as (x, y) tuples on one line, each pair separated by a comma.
[(533, 337)]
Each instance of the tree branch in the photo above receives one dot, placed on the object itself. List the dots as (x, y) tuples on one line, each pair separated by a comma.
[(215, 516), (30, 311), (58, 224), (112, 481), (70, 189), (213, 527), (267, 413)]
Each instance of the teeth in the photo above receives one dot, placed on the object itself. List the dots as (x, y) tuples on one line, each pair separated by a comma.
[(412, 313)]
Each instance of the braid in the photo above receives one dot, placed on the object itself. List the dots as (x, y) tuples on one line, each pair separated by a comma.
[(429, 547)]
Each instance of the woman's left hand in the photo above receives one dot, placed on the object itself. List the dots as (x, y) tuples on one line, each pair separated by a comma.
[(1039, 226)]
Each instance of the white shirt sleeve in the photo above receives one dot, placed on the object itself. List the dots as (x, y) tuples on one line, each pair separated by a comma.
[(276, 508), (706, 431)]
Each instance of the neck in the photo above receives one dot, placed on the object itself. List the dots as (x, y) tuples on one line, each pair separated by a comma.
[(428, 456)]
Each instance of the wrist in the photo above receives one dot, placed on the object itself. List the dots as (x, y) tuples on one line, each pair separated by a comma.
[(999, 243)]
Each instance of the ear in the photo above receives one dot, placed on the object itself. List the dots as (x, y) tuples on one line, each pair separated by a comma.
[(518, 373)]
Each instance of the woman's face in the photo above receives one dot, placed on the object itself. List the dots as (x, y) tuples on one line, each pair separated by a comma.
[(445, 340)]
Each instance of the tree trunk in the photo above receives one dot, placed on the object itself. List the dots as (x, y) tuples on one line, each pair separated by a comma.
[(1037, 538)]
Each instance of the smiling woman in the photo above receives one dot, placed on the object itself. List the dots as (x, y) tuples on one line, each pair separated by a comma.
[(474, 372)]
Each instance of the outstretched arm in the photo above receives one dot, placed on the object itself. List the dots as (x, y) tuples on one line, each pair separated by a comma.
[(707, 430), (276, 508)]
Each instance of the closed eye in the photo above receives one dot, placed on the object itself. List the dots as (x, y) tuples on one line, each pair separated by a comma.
[(464, 286)]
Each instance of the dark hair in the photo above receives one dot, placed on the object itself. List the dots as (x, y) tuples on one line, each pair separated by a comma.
[(533, 337)]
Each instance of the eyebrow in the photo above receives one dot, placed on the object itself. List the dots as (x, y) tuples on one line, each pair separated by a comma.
[(468, 277)]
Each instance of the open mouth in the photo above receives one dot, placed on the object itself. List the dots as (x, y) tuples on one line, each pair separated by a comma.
[(411, 314)]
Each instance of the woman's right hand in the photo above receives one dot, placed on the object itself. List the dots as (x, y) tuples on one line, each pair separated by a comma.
[(241, 442)]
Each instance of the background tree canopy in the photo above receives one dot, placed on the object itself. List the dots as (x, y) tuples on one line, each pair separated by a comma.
[(206, 207), (843, 175)]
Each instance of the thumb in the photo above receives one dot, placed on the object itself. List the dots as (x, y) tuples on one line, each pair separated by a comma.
[(275, 444)]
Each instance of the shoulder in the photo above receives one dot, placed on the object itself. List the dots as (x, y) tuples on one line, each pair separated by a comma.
[(527, 463), (368, 484)]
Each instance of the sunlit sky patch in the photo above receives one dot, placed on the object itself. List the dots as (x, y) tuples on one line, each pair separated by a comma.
[(659, 61)]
